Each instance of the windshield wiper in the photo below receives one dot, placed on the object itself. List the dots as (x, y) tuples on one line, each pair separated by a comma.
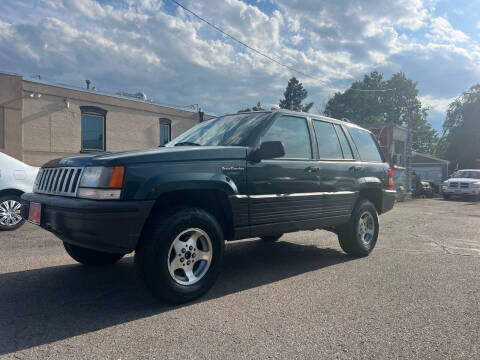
[(187, 143)]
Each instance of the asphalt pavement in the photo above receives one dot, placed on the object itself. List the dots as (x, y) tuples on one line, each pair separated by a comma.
[(417, 296)]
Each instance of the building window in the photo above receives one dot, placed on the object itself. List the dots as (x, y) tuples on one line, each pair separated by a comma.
[(93, 128), (165, 131)]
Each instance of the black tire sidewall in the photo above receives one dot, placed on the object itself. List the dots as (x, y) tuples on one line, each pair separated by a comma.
[(348, 235), (271, 238), (153, 254), (91, 257), (14, 227)]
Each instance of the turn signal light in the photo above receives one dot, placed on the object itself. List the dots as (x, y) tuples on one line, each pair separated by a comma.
[(116, 180), (390, 179)]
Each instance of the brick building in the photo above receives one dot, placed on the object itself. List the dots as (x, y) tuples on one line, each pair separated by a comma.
[(40, 121)]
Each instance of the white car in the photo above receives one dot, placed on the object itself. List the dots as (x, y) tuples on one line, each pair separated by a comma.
[(16, 178), (462, 183)]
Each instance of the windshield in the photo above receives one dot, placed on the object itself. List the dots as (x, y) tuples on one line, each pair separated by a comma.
[(467, 174), (229, 130)]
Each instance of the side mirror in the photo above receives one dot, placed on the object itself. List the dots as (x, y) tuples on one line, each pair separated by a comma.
[(268, 150)]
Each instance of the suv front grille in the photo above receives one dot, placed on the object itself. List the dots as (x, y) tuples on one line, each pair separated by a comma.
[(453, 184), (464, 185), (58, 181)]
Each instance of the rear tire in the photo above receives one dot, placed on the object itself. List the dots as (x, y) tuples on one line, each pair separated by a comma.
[(10, 212), (91, 257), (359, 236), (180, 254), (271, 238)]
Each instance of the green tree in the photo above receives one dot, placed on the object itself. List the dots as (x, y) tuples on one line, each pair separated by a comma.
[(460, 142), (294, 95), (395, 100), (358, 105), (257, 107)]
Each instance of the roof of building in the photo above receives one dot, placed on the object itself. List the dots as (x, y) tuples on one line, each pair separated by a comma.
[(430, 157), (39, 80), (384, 125)]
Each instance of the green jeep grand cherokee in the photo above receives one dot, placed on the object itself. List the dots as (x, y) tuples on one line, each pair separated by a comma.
[(259, 174)]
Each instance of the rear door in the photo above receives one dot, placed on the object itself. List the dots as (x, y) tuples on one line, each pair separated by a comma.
[(338, 170), (285, 190)]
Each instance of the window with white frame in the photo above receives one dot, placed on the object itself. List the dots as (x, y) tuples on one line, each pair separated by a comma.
[(165, 131), (93, 128)]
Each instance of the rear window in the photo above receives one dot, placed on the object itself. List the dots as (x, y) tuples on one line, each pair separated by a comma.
[(347, 151), (366, 145), (327, 139)]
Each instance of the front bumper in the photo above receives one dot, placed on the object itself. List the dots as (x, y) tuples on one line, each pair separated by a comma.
[(388, 199), (461, 192), (103, 225)]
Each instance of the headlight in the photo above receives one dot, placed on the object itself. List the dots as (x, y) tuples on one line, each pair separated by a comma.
[(101, 182), (476, 185)]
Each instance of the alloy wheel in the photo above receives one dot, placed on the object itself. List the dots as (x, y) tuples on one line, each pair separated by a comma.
[(10, 213), (366, 227), (190, 256)]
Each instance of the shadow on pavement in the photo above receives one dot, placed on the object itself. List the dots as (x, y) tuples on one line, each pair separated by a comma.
[(50, 304)]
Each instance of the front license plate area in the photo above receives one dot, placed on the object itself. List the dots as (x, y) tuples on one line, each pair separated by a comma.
[(458, 191), (35, 213)]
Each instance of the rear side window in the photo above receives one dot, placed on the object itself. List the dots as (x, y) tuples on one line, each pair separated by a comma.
[(366, 145), (347, 150), (293, 132), (327, 139)]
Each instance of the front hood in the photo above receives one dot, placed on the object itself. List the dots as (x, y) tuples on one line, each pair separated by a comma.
[(164, 154), (464, 180)]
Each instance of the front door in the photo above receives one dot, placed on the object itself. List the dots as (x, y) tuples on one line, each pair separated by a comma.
[(284, 190)]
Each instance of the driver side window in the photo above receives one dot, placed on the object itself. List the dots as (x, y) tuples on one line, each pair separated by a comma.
[(293, 133)]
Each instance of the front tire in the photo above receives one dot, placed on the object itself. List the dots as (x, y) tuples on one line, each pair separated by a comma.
[(91, 257), (359, 236), (446, 196), (180, 254), (10, 213)]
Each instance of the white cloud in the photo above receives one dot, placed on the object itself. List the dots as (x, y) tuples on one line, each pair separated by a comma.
[(174, 57), (438, 104), (296, 39), (442, 31)]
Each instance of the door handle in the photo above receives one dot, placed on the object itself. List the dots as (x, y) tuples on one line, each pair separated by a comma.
[(311, 169), (355, 168)]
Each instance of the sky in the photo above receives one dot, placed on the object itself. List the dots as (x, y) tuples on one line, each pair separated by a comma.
[(158, 48)]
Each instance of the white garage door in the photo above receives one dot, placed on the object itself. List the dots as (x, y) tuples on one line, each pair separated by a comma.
[(429, 173)]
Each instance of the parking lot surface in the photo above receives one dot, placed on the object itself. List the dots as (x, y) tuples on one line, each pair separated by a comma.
[(416, 296)]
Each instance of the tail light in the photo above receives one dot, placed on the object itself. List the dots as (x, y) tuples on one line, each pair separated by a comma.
[(390, 179)]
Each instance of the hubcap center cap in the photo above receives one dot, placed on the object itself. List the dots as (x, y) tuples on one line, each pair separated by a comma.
[(188, 255)]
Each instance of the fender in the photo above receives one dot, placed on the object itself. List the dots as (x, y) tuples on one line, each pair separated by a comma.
[(369, 182), (148, 183)]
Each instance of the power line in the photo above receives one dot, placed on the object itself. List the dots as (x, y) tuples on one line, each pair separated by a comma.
[(373, 90), (244, 44)]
